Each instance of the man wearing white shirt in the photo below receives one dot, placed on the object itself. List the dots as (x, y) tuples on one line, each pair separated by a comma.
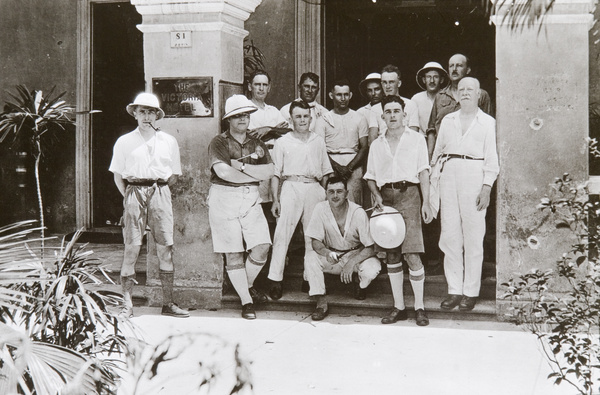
[(345, 132), (309, 89), (370, 89), (466, 148), (397, 170), (390, 83), (144, 163), (302, 165), (431, 78)]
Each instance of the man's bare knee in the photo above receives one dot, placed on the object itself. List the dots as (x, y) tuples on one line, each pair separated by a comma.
[(413, 261), (260, 252)]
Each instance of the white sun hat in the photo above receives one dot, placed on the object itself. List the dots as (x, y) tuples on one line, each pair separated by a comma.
[(147, 100), (238, 104), (433, 66), (373, 77), (387, 227)]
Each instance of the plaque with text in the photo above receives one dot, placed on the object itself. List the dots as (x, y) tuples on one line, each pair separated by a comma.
[(185, 97)]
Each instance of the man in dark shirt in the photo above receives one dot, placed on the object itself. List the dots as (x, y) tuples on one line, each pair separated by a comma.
[(238, 162)]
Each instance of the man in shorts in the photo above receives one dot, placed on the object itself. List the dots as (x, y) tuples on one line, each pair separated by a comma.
[(238, 162), (302, 165), (340, 235), (145, 162), (398, 166)]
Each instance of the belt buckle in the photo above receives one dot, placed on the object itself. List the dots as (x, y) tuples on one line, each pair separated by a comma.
[(403, 186)]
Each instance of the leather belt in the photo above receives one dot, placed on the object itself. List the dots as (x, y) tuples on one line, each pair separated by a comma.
[(145, 183), (456, 156), (400, 185), (304, 179)]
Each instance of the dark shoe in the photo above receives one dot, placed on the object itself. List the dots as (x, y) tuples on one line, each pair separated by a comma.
[(276, 292), (359, 293), (320, 313), (248, 311), (451, 302), (421, 317), (394, 316), (467, 303), (174, 311), (257, 296), (305, 286)]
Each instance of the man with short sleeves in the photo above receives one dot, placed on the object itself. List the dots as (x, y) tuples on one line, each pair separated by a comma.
[(309, 89), (370, 89), (302, 165), (466, 152), (431, 78), (390, 83), (340, 235), (145, 162), (238, 162), (397, 169), (346, 133)]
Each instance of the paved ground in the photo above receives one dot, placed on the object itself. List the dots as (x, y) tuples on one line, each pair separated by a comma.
[(289, 354)]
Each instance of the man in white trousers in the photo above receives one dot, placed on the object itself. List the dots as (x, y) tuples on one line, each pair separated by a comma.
[(302, 165), (466, 147)]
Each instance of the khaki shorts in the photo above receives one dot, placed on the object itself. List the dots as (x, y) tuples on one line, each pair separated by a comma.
[(236, 218), (147, 206), (408, 203)]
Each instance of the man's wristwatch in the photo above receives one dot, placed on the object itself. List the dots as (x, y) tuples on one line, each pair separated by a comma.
[(243, 167)]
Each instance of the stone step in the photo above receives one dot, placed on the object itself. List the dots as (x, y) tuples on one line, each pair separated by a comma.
[(375, 305)]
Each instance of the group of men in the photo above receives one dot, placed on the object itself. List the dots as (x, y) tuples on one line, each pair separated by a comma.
[(434, 152)]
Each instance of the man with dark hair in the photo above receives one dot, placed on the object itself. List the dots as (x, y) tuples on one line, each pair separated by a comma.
[(145, 162), (370, 89), (302, 164), (238, 162), (397, 169), (346, 133), (447, 100), (309, 89), (390, 83), (339, 230)]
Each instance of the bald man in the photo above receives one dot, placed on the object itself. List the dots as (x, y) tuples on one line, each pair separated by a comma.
[(447, 100), (466, 150)]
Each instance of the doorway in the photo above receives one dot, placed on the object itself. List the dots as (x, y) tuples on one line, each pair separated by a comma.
[(117, 76), (362, 36)]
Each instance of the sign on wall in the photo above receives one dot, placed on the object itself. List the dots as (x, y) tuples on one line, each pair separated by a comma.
[(185, 97)]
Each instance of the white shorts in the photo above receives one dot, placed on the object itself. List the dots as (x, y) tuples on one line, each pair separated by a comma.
[(236, 218)]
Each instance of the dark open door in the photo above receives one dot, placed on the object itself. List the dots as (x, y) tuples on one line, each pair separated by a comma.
[(117, 76)]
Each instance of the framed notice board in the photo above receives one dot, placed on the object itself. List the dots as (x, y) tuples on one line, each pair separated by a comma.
[(185, 97)]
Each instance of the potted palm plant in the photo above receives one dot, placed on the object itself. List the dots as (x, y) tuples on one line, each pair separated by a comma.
[(27, 118)]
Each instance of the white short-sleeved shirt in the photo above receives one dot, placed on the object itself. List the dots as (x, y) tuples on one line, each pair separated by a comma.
[(479, 141), (268, 116), (316, 112), (370, 116), (410, 110), (342, 132), (411, 158), (324, 228), (135, 158), (294, 157), (424, 105)]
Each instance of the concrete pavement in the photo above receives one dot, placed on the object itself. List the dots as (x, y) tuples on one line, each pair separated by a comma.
[(290, 354)]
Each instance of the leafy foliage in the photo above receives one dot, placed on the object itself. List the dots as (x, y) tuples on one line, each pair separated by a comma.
[(566, 324), (519, 14), (67, 326), (27, 119)]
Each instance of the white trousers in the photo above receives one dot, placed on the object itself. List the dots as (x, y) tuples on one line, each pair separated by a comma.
[(463, 227), (367, 271), (298, 200)]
